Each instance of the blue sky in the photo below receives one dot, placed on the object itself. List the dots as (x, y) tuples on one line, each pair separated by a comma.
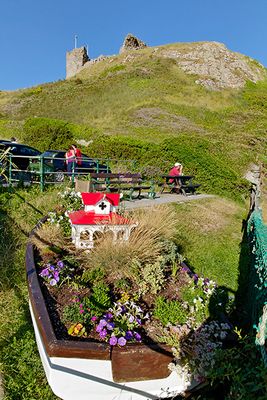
[(35, 34)]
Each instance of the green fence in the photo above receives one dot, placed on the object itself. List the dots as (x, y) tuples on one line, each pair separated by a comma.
[(257, 233), (45, 171)]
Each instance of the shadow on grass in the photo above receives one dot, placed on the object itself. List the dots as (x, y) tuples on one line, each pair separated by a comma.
[(242, 301), (12, 242)]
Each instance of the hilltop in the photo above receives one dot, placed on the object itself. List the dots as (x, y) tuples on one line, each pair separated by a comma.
[(198, 103)]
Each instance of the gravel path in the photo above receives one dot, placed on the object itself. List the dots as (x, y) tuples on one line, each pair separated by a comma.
[(163, 199)]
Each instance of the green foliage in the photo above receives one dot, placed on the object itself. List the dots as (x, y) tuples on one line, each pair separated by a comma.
[(93, 275), (83, 310), (241, 371), (24, 377), (46, 133), (169, 311), (32, 92), (151, 277), (123, 284)]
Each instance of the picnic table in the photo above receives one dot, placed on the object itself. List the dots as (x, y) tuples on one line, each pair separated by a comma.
[(179, 184), (122, 182)]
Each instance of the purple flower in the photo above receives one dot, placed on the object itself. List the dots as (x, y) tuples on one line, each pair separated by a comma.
[(103, 333), (94, 318), (109, 315), (137, 336), (44, 272), (122, 341), (110, 326), (138, 320), (128, 335), (98, 328), (195, 277), (81, 311), (81, 305), (60, 264), (51, 268), (56, 275), (102, 323), (113, 341), (53, 282)]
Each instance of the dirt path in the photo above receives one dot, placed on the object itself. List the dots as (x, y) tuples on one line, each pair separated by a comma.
[(163, 199)]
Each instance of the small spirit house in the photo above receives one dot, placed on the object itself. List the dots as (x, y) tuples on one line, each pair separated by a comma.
[(98, 217)]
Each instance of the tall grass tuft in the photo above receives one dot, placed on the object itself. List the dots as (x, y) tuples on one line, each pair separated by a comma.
[(145, 243), (47, 238)]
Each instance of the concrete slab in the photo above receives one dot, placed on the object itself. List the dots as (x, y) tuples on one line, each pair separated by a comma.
[(162, 199)]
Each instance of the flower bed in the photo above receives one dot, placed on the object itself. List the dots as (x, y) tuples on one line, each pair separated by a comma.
[(133, 305)]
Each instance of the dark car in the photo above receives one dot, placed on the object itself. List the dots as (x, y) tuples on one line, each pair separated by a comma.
[(21, 156), (56, 160)]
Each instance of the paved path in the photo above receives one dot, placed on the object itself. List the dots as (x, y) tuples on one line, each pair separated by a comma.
[(163, 199)]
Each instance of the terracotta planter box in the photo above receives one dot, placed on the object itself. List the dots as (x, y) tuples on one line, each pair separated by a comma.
[(84, 369)]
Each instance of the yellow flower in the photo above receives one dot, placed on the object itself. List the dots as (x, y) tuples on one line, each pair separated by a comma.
[(77, 328)]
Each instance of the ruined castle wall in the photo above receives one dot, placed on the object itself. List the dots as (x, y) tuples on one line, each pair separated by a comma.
[(75, 60)]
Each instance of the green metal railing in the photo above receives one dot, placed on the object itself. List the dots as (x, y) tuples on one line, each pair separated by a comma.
[(41, 172)]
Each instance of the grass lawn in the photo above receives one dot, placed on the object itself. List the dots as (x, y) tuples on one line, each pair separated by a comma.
[(209, 235)]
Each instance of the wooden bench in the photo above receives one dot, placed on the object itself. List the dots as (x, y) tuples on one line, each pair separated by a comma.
[(121, 182), (179, 184)]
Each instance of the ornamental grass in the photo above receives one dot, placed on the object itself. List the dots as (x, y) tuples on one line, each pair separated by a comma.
[(145, 244)]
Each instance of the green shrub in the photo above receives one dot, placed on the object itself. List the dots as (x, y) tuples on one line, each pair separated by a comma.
[(31, 92), (170, 311), (46, 133), (240, 371)]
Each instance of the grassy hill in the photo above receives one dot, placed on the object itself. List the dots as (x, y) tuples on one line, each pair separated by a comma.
[(143, 105)]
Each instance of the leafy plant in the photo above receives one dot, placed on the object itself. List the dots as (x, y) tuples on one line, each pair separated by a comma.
[(151, 277), (240, 370), (93, 275), (84, 311), (169, 311)]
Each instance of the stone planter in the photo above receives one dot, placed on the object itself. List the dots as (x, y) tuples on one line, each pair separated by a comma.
[(92, 370)]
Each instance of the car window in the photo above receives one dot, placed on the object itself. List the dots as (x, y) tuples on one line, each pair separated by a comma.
[(49, 154), (28, 151)]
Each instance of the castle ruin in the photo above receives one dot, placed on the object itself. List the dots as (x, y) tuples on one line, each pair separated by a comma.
[(75, 60)]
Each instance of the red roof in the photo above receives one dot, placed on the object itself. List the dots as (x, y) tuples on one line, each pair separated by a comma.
[(90, 218), (90, 199)]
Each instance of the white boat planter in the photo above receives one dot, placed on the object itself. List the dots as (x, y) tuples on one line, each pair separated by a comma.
[(83, 370)]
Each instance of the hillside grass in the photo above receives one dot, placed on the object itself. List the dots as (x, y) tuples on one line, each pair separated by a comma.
[(208, 234), (147, 103)]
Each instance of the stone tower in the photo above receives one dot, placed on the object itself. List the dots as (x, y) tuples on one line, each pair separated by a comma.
[(75, 59)]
